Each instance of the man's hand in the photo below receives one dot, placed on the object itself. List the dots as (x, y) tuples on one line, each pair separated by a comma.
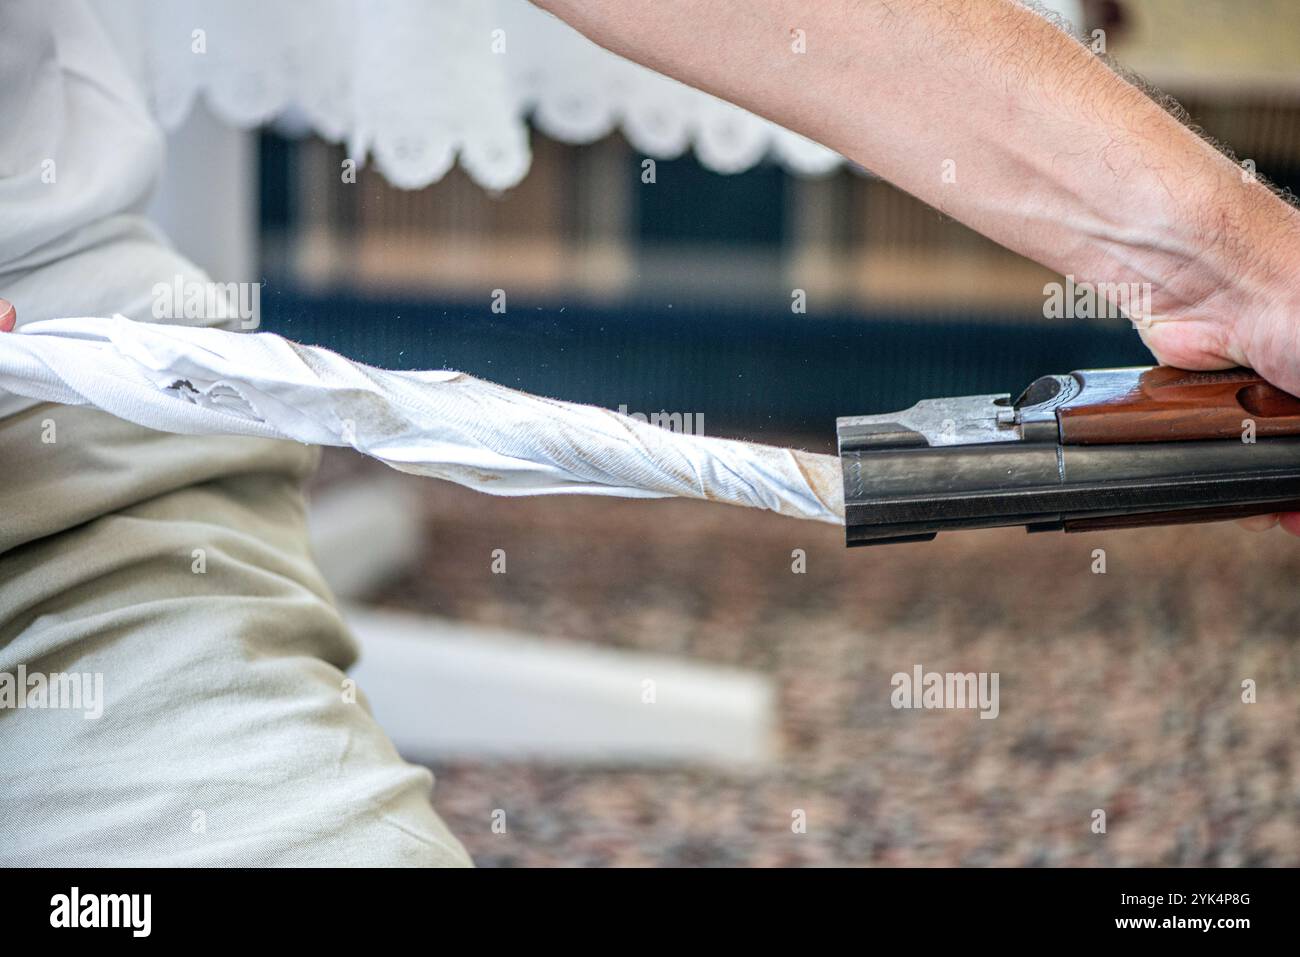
[(8, 315), (1263, 335)]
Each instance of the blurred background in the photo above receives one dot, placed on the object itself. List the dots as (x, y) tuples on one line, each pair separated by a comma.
[(597, 681)]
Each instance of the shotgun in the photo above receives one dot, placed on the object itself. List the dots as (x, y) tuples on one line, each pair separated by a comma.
[(1092, 450)]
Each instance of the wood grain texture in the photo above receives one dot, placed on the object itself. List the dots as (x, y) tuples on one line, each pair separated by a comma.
[(1163, 404)]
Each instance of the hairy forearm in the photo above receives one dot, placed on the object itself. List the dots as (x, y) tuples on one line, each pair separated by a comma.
[(992, 114)]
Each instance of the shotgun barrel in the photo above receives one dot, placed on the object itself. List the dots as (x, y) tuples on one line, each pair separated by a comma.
[(1107, 448)]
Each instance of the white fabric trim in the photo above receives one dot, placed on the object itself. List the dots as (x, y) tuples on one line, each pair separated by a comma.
[(442, 424), (420, 85)]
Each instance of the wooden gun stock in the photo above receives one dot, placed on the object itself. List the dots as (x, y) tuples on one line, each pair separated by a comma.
[(1163, 404)]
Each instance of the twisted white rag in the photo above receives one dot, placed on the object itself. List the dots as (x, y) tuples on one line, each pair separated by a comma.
[(442, 424)]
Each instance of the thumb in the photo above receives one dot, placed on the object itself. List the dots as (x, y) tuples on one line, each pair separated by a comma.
[(1268, 342), (1189, 344), (8, 315)]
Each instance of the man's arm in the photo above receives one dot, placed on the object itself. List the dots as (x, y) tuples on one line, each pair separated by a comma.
[(1056, 156)]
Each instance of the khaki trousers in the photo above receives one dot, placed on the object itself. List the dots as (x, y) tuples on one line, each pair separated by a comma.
[(174, 572)]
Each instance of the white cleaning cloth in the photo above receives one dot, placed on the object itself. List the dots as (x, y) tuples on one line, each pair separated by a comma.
[(442, 424)]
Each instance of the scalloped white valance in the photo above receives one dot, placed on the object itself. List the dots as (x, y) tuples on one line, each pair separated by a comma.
[(419, 85)]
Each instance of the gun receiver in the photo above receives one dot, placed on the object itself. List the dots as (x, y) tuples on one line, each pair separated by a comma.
[(1108, 448)]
